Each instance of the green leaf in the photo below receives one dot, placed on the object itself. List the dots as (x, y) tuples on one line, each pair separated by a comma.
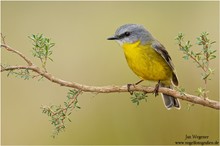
[(78, 107), (214, 51), (212, 57), (66, 104), (50, 59), (186, 57), (211, 70), (69, 120), (213, 42), (179, 37)]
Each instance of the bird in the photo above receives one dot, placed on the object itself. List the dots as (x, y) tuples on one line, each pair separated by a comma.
[(148, 59)]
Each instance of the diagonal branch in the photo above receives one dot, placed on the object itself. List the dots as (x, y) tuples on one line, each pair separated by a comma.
[(108, 89), (18, 53)]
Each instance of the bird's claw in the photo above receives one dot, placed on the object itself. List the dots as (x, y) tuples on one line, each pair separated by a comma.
[(129, 88), (129, 85), (156, 90)]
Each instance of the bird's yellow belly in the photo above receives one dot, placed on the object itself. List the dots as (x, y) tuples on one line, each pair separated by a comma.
[(146, 63)]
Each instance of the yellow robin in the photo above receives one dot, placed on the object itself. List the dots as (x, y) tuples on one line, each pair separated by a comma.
[(148, 58)]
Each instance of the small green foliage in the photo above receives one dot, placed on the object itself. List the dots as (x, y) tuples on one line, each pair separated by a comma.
[(189, 105), (42, 48), (181, 90), (202, 58), (201, 92), (58, 114), (23, 74), (138, 96)]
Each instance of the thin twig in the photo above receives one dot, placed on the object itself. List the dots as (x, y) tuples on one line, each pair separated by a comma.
[(18, 53), (3, 39), (193, 58)]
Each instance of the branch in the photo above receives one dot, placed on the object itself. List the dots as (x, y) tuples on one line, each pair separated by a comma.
[(18, 53), (108, 89)]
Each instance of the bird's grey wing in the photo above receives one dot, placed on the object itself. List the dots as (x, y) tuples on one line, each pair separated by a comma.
[(159, 48)]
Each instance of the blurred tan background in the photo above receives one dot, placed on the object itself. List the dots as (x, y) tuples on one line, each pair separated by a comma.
[(82, 54)]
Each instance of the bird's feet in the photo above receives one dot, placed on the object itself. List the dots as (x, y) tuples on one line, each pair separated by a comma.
[(156, 88), (129, 86)]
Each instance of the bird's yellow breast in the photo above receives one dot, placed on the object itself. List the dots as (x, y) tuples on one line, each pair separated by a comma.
[(146, 63)]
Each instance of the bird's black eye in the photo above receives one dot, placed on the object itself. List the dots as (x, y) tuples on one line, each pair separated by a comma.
[(127, 33)]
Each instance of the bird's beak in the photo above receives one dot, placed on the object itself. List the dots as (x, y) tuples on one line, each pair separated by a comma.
[(113, 38)]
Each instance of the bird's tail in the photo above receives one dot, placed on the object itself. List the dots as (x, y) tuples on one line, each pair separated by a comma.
[(170, 101)]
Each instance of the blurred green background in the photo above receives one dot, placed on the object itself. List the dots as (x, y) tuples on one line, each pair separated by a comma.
[(82, 54)]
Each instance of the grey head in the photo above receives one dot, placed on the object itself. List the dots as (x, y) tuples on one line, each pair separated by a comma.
[(131, 33)]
